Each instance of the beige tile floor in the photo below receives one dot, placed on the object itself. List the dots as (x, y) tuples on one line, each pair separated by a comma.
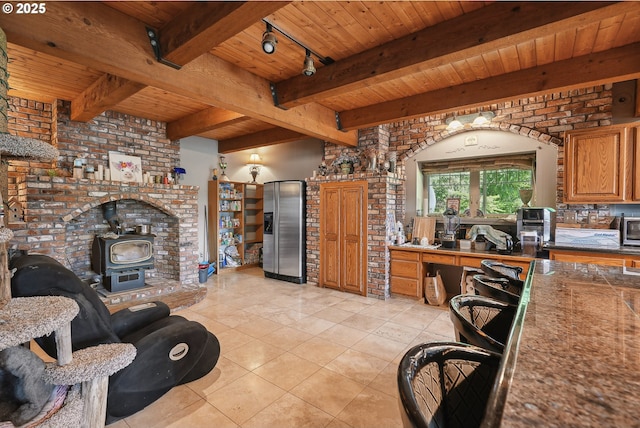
[(296, 356)]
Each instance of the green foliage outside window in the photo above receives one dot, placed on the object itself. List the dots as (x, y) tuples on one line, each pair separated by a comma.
[(499, 189)]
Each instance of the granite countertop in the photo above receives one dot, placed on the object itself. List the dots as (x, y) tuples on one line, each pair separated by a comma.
[(576, 341)]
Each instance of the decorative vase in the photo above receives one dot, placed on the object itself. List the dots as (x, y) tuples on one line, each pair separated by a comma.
[(346, 168), (525, 196)]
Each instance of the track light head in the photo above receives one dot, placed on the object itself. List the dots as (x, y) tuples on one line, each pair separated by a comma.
[(308, 68), (269, 40)]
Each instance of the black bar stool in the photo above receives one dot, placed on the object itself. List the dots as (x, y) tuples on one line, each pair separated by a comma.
[(481, 321), (497, 269), (503, 289), (445, 384)]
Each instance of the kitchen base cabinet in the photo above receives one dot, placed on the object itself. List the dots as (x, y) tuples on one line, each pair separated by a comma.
[(409, 265), (406, 273), (594, 257)]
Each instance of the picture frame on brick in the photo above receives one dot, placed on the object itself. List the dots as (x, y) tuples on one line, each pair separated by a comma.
[(125, 167)]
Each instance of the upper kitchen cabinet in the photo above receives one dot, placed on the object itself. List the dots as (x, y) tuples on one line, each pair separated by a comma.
[(598, 165)]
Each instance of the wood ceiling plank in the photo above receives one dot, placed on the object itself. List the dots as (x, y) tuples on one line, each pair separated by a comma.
[(617, 64), (202, 121), (259, 139), (527, 54), (509, 59), (101, 38), (493, 62), (564, 46), (629, 29), (585, 38), (607, 32), (152, 13), (493, 27), (545, 49), (102, 95)]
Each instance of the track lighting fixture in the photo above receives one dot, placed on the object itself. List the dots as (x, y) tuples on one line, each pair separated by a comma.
[(269, 40), (308, 68)]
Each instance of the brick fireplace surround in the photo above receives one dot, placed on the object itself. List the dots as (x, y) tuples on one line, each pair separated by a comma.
[(63, 215)]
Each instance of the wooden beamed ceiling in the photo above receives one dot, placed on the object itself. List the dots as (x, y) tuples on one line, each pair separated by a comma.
[(452, 55)]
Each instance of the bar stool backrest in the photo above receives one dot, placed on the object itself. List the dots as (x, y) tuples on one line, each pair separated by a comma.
[(446, 384)]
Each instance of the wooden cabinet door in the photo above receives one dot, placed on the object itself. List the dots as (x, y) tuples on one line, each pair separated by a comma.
[(330, 237), (635, 135), (598, 165), (343, 231), (353, 238)]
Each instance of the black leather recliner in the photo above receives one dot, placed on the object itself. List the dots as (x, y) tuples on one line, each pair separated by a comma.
[(171, 350)]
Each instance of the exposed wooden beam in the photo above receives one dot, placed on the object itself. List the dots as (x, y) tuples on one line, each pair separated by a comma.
[(494, 27), (259, 139), (617, 64), (192, 33), (202, 121), (207, 24), (102, 95), (104, 39)]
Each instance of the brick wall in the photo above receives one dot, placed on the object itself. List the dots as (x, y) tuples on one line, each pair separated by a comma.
[(544, 118), (63, 214), (382, 193)]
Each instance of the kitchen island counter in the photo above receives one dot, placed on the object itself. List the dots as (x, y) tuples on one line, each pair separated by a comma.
[(573, 356)]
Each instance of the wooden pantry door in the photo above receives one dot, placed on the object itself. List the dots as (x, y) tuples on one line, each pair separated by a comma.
[(343, 236)]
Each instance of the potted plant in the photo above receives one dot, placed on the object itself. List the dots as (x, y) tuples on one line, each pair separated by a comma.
[(344, 163)]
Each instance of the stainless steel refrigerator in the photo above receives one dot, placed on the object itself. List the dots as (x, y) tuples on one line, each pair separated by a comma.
[(284, 241)]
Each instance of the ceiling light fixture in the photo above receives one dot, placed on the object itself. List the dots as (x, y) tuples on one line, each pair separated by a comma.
[(269, 40), (308, 68), (269, 46), (476, 119)]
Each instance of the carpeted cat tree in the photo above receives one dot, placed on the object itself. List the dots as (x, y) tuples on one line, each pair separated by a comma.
[(71, 391)]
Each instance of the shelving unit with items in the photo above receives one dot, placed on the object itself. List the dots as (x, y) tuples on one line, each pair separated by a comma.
[(236, 224), (253, 223), (226, 224)]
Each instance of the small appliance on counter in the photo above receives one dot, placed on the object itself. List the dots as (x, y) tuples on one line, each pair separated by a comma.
[(540, 220), (630, 229), (451, 226)]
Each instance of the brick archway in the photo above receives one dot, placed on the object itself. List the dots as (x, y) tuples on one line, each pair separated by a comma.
[(502, 127)]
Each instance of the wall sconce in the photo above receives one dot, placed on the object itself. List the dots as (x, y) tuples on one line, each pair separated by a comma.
[(475, 119), (254, 166), (222, 163)]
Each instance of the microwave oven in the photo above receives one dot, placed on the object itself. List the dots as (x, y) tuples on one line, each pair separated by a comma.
[(630, 231)]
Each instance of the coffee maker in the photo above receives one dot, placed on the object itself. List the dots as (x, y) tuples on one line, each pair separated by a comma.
[(541, 220)]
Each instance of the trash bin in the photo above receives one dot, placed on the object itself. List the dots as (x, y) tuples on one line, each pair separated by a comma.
[(203, 272)]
